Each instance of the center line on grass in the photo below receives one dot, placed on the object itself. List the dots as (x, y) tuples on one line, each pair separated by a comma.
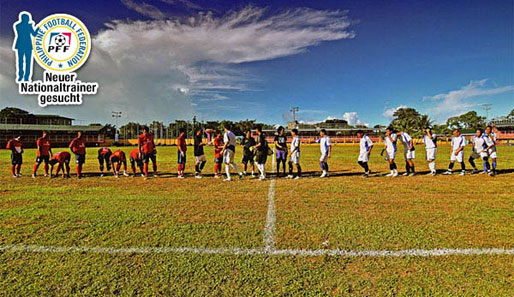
[(269, 252), (269, 228)]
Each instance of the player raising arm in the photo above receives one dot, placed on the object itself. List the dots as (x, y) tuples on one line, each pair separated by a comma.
[(63, 161), (16, 147), (430, 141), (78, 147), (44, 151), (366, 145), (458, 144)]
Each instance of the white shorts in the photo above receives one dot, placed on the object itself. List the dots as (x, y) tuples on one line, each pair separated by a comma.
[(390, 155), (323, 157), (492, 153), (480, 155), (409, 155), (295, 158), (431, 152), (200, 159), (459, 158), (228, 156), (363, 157)]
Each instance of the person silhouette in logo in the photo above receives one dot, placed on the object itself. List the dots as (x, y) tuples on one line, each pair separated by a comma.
[(23, 29)]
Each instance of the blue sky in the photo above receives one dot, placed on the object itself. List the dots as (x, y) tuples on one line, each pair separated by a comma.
[(172, 59)]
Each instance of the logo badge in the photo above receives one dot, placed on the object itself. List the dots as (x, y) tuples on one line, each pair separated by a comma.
[(62, 44)]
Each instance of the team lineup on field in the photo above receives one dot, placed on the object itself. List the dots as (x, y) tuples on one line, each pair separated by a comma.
[(256, 152)]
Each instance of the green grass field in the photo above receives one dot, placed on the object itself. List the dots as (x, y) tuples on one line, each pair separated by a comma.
[(97, 220)]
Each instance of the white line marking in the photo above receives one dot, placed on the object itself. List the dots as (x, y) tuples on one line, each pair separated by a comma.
[(269, 228), (242, 251)]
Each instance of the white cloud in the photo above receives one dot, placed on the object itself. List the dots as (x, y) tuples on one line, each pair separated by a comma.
[(160, 69), (353, 119), (389, 112), (144, 9), (459, 101)]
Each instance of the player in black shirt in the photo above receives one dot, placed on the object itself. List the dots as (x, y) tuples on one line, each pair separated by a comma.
[(248, 143), (262, 152), (200, 159), (281, 147)]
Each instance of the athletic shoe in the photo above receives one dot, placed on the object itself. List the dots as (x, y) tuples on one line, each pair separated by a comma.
[(433, 173), (117, 176), (142, 175), (365, 175), (448, 172), (390, 174), (33, 176), (474, 171), (125, 173), (290, 176), (412, 173), (262, 177), (253, 175), (216, 176), (462, 173), (405, 174), (395, 173), (227, 179), (198, 176), (483, 172), (492, 174), (296, 177), (180, 176), (15, 176), (324, 174), (101, 175), (241, 175), (46, 175)]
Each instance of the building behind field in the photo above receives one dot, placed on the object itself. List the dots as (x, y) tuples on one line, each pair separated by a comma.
[(16, 122)]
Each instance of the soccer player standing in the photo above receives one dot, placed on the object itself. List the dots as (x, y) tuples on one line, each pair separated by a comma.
[(78, 147), (229, 150), (200, 159), (117, 158), (479, 151), (326, 149), (181, 153), (294, 155), (458, 144), (218, 156), (44, 150), (430, 141), (63, 159), (104, 156), (366, 145), (281, 149), (261, 154), (146, 147), (490, 138), (248, 143), (16, 147), (390, 150), (408, 152)]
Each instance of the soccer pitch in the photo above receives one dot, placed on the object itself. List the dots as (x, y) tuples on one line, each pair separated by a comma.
[(339, 236)]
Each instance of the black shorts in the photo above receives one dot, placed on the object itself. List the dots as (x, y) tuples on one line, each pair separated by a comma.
[(247, 158), (41, 159), (16, 159), (218, 160), (105, 158), (261, 157), (181, 159), (148, 157), (133, 162), (80, 159)]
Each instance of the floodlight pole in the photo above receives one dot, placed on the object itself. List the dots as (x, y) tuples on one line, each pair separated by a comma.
[(294, 110), (487, 107), (116, 115)]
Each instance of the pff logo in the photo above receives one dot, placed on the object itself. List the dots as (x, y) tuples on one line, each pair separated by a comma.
[(61, 45)]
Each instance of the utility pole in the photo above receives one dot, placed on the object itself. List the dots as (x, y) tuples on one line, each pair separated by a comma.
[(116, 115), (294, 110), (487, 107)]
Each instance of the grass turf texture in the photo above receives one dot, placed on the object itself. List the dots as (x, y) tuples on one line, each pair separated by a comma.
[(343, 211)]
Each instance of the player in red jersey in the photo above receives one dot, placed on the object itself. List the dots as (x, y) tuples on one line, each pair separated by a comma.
[(118, 158), (135, 158), (104, 156), (44, 151), (78, 147), (181, 152), (218, 156), (63, 159), (146, 147), (16, 147)]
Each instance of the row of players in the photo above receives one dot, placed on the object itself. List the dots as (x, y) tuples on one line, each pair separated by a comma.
[(255, 153)]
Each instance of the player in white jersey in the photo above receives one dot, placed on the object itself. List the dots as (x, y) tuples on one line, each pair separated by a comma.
[(326, 149), (458, 144), (294, 155), (228, 151), (366, 145), (479, 151), (408, 152), (430, 141), (491, 146), (390, 150)]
